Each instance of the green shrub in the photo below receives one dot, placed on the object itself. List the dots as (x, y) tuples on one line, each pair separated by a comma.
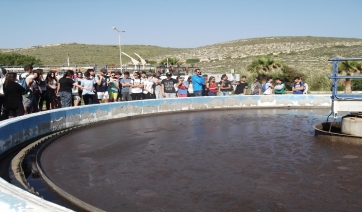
[(14, 59), (193, 60)]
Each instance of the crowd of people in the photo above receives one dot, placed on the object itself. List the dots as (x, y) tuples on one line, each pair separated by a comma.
[(31, 92)]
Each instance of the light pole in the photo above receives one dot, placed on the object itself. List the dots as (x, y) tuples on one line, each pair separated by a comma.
[(120, 48)]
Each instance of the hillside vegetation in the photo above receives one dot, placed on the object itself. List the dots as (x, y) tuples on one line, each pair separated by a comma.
[(308, 55), (304, 53)]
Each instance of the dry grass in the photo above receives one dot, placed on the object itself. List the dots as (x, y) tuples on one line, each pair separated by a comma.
[(306, 54)]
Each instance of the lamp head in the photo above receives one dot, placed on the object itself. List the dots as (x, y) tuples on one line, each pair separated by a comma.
[(114, 28)]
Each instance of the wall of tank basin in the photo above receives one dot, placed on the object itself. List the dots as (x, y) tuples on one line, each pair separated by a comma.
[(17, 130)]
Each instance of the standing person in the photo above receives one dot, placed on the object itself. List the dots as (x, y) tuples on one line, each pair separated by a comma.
[(2, 81), (205, 90), (268, 86), (297, 86), (190, 90), (89, 96), (279, 87), (57, 76), (144, 76), (92, 76), (137, 86), (168, 86), (64, 88), (241, 86), (36, 90), (58, 103), (255, 88), (148, 91), (43, 93), (80, 91), (212, 87), (263, 84), (157, 86), (101, 87), (112, 87), (182, 87), (28, 97), (306, 87), (119, 77), (13, 97), (126, 91), (75, 94), (225, 85), (198, 81), (51, 86)]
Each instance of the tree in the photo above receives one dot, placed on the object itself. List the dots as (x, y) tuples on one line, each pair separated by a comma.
[(288, 75), (263, 66), (171, 61), (15, 59), (348, 68)]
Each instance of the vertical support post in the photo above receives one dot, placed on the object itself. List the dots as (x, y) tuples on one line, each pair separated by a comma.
[(334, 79), (120, 51), (334, 86)]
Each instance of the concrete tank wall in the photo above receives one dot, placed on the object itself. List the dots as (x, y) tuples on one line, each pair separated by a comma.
[(17, 130)]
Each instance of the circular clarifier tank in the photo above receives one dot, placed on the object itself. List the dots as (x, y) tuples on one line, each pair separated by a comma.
[(235, 160), (352, 126)]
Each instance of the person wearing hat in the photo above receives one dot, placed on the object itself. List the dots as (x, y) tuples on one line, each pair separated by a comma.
[(168, 86), (101, 87)]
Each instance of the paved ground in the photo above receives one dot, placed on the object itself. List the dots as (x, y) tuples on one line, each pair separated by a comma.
[(237, 160)]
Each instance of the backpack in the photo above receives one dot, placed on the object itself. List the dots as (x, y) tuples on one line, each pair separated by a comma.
[(301, 84), (22, 81), (263, 88)]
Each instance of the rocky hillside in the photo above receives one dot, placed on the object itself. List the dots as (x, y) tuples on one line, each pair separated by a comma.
[(304, 53)]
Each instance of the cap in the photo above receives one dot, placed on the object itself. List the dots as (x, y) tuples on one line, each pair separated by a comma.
[(168, 74), (104, 70)]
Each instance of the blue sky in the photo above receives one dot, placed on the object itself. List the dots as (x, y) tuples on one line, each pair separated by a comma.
[(172, 23)]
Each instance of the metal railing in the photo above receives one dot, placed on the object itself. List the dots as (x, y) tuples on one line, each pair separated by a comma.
[(343, 102)]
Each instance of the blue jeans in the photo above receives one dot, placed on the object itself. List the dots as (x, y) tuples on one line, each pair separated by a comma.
[(211, 93), (66, 98), (224, 93), (198, 93)]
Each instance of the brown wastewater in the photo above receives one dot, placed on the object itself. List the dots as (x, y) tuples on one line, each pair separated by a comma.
[(224, 160)]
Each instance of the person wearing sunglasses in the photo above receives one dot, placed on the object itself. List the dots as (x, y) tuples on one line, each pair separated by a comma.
[(137, 86), (198, 82), (112, 87)]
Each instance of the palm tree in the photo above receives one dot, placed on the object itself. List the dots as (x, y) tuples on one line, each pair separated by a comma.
[(348, 68), (263, 66), (171, 61)]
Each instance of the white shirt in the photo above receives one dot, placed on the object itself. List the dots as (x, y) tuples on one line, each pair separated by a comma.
[(191, 88), (137, 82), (268, 90), (149, 86), (305, 88)]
